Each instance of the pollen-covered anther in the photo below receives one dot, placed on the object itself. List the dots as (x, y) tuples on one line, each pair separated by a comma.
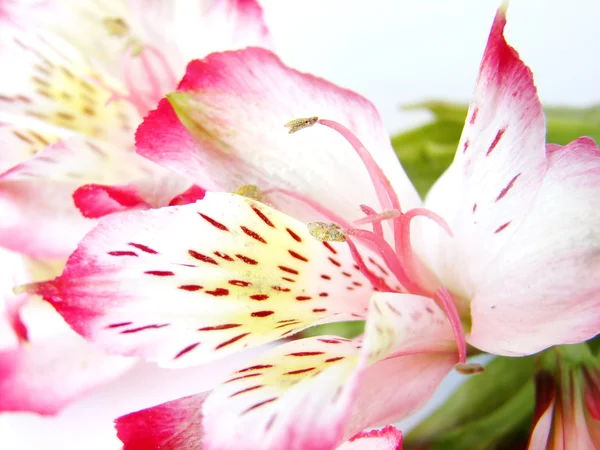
[(326, 232), (116, 26), (469, 368), (250, 191), (299, 124)]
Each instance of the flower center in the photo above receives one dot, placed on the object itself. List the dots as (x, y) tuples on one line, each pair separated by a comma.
[(399, 257)]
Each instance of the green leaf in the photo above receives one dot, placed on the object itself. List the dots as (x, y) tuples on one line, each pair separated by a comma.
[(485, 408)]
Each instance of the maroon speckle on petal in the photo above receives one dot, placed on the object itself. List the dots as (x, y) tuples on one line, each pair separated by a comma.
[(283, 325), (214, 223), (305, 354), (250, 375), (330, 341), (188, 349), (247, 260), (257, 405), (190, 287), (258, 367), (294, 235), (298, 256), (303, 297), (259, 297), (143, 248), (502, 227), (289, 270), (495, 141), (146, 327), (218, 292), (118, 325), (231, 341), (281, 289), (201, 257), (224, 256), (240, 283), (337, 358), (335, 262), (225, 326), (474, 116), (474, 207), (510, 184), (248, 389), (318, 310), (160, 273), (262, 313), (123, 253), (253, 234), (346, 274), (330, 248), (326, 277), (465, 145), (288, 279), (299, 371), (264, 218)]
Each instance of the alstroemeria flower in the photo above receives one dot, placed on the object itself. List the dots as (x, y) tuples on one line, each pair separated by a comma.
[(187, 284), (43, 364), (86, 73), (567, 413)]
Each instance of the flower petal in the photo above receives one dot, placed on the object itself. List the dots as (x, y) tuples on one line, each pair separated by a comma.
[(543, 288), (18, 144), (326, 389), (185, 284), (235, 105), (50, 82), (174, 425), (388, 438), (39, 191), (489, 188)]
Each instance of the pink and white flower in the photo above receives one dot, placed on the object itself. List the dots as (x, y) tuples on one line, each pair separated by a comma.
[(86, 73), (188, 284)]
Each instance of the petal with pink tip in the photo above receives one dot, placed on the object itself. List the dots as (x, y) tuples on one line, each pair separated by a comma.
[(175, 425), (543, 288), (488, 190), (183, 285), (317, 392), (39, 191), (46, 375), (388, 438), (51, 83), (224, 127)]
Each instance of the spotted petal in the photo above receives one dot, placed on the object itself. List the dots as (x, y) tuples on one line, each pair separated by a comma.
[(18, 144), (39, 190), (326, 389), (51, 83), (185, 284), (224, 127), (388, 438)]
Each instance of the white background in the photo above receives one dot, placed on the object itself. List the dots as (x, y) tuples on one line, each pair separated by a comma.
[(394, 53)]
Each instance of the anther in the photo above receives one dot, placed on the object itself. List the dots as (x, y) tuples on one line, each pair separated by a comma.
[(326, 232), (299, 124), (469, 368), (116, 26), (251, 191)]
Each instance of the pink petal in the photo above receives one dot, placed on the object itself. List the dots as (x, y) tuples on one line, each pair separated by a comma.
[(388, 438), (316, 392), (185, 284), (176, 425), (498, 166), (236, 134), (39, 190), (544, 290), (95, 201), (544, 410), (192, 195)]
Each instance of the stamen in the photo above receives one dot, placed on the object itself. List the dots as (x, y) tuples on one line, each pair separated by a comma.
[(250, 191), (447, 304), (326, 232), (469, 368), (116, 26), (415, 269), (388, 256), (378, 283), (299, 124), (376, 218)]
